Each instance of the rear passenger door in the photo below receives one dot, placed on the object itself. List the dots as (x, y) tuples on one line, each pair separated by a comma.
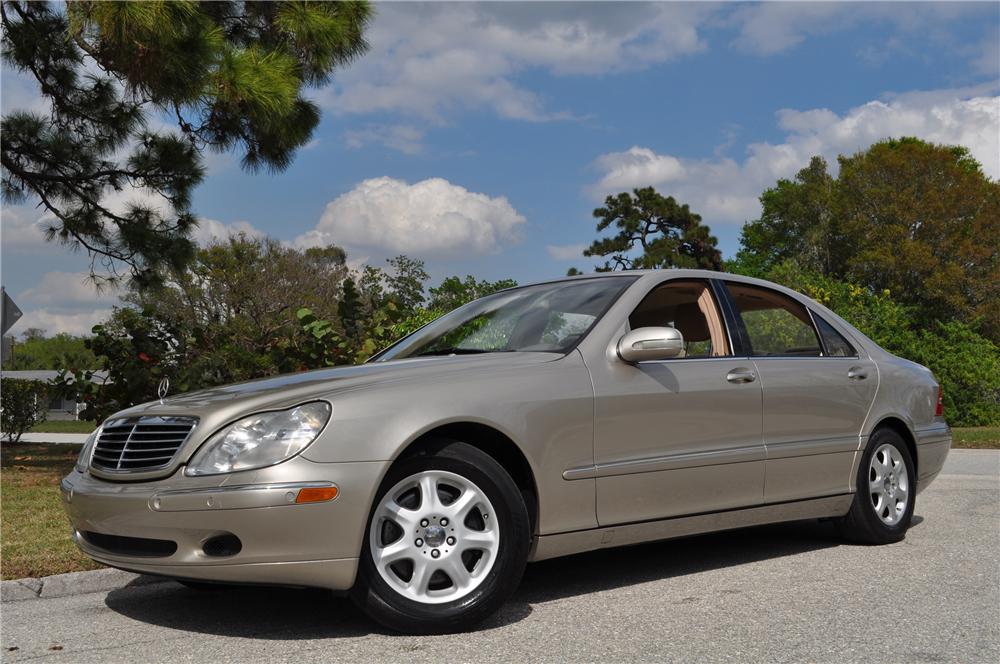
[(817, 393)]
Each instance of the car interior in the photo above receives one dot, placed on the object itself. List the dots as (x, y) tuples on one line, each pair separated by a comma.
[(687, 306)]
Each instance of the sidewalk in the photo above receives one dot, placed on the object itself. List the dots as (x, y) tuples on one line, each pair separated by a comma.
[(65, 438)]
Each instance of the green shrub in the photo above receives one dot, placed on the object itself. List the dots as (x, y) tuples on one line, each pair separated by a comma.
[(968, 367), (23, 404)]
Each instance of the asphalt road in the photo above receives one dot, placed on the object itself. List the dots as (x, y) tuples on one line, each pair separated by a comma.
[(779, 593)]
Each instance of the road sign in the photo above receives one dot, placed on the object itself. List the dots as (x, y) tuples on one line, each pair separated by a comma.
[(10, 312)]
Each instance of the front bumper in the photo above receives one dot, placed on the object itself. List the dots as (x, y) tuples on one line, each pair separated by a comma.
[(312, 544)]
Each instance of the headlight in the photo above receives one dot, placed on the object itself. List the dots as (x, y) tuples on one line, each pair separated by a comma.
[(260, 440), (83, 461)]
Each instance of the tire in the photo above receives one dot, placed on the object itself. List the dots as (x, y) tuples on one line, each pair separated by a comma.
[(885, 497), (411, 589)]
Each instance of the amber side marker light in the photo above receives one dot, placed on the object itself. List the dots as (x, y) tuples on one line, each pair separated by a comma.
[(317, 494)]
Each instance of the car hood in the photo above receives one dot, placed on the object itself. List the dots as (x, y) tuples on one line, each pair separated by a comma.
[(228, 402)]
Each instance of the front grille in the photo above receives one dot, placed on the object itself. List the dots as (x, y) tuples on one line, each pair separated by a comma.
[(140, 443)]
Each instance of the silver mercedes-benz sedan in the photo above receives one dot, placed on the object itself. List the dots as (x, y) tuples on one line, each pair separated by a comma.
[(537, 422)]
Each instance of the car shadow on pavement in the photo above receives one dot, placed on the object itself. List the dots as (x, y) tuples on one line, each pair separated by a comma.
[(612, 568), (290, 614)]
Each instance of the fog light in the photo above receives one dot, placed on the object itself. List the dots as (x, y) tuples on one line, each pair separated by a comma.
[(221, 546)]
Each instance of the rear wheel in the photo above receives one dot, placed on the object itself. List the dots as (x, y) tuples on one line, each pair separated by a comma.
[(446, 544), (886, 492)]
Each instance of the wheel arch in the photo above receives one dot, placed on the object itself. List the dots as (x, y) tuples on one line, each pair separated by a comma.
[(493, 442), (899, 426)]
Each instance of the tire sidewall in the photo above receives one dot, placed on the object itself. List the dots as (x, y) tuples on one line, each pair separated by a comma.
[(897, 531), (377, 598)]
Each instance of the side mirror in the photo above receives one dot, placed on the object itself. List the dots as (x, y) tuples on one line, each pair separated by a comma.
[(651, 343)]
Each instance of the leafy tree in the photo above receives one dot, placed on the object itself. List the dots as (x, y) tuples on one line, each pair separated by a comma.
[(137, 351), (227, 75), (668, 234), (573, 272), (918, 219), (453, 292), (406, 282), (402, 285), (236, 313), (61, 351), (23, 404), (237, 301), (349, 309), (927, 227), (797, 222)]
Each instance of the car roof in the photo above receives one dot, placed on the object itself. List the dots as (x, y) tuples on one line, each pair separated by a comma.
[(672, 273)]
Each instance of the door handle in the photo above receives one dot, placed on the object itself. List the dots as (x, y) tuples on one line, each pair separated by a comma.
[(857, 373), (741, 376)]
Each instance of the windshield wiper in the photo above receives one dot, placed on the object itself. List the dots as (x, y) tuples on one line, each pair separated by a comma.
[(452, 350)]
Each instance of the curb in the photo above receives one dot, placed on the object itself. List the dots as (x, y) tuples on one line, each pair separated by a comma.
[(72, 583)]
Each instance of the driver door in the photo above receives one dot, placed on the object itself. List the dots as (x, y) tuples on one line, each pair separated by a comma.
[(684, 435)]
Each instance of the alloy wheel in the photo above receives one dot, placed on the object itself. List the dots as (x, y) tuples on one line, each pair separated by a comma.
[(888, 484), (434, 537)]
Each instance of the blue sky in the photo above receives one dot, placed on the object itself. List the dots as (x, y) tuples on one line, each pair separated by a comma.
[(479, 137)]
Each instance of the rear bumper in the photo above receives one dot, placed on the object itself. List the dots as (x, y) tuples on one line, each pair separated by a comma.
[(281, 542), (933, 444)]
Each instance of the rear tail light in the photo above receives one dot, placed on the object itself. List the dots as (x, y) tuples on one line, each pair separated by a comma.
[(939, 411)]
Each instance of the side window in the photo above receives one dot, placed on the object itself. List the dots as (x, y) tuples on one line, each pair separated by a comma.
[(689, 307), (777, 324), (836, 344)]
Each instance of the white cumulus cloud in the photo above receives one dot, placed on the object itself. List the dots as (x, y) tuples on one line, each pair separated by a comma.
[(66, 288), (210, 231), (637, 164), (23, 227), (725, 190), (430, 217), (431, 59), (768, 28), (54, 321), (64, 302)]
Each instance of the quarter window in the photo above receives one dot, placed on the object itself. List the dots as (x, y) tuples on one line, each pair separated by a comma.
[(836, 344), (687, 306), (776, 324)]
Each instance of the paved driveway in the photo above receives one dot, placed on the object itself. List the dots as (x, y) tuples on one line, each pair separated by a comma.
[(782, 593)]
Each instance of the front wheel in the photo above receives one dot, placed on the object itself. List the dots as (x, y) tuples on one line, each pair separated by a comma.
[(446, 544), (886, 492)]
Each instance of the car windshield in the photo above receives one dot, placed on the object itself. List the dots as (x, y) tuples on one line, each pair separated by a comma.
[(547, 318)]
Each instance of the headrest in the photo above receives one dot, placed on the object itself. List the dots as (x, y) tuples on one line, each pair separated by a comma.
[(691, 322)]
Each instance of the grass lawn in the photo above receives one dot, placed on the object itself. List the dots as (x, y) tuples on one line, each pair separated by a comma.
[(982, 438), (64, 426), (35, 529)]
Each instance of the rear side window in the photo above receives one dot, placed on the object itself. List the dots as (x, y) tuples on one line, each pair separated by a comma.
[(776, 324), (836, 344)]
